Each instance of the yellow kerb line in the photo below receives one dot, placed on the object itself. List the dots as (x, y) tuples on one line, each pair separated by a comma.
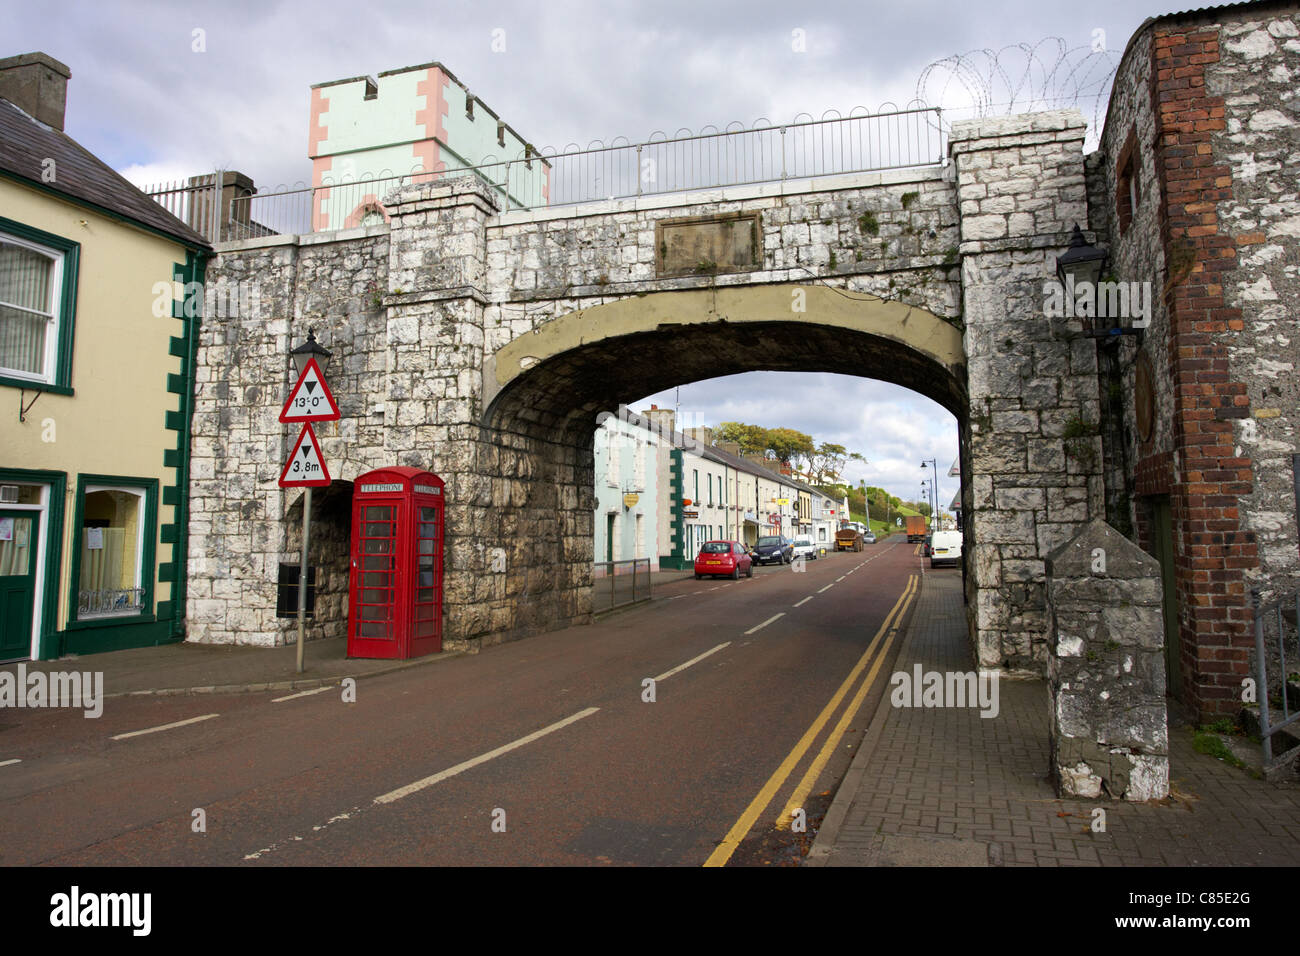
[(742, 826), (833, 741)]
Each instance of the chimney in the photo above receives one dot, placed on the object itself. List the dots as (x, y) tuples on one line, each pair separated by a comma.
[(665, 419), (37, 84)]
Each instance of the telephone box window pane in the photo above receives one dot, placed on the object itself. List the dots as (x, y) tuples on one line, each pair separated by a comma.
[(377, 563), (377, 545), (380, 629), (379, 512), (377, 530)]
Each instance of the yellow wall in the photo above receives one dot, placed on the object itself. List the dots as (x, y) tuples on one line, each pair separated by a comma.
[(113, 424)]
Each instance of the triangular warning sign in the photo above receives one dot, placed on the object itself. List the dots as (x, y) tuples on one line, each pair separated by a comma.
[(310, 400), (306, 465)]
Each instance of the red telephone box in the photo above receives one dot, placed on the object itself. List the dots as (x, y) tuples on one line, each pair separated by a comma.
[(395, 598)]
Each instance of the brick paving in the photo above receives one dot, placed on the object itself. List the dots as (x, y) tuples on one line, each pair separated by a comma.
[(943, 786)]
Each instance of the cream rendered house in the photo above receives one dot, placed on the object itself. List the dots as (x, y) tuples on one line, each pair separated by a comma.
[(96, 377)]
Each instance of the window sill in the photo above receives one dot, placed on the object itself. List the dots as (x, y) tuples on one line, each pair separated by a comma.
[(110, 620), (31, 386)]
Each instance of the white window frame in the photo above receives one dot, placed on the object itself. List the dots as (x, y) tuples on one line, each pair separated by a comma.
[(53, 330)]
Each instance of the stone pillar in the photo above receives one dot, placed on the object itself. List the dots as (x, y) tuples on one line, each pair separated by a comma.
[(432, 398), (1035, 450), (1106, 669)]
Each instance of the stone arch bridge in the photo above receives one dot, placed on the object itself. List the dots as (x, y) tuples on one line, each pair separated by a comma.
[(483, 344)]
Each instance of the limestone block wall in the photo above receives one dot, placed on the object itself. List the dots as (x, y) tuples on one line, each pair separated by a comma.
[(240, 530), (1106, 669), (895, 237), (1034, 460), (1257, 73)]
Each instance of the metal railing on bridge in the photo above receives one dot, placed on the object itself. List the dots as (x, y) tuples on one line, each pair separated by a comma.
[(619, 583), (734, 156)]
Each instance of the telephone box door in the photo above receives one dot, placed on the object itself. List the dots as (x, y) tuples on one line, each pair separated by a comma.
[(426, 632), (375, 617)]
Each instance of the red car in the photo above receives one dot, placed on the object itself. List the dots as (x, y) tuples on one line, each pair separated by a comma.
[(723, 557)]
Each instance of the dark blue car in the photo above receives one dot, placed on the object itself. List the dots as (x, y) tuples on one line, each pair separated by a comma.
[(774, 549)]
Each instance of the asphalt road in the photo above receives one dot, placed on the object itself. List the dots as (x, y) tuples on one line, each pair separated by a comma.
[(545, 751)]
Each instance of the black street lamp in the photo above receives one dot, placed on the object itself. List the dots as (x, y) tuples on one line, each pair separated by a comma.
[(1082, 262), (1081, 268), (311, 349)]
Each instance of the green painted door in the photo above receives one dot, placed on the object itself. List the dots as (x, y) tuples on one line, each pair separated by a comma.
[(18, 530), (1162, 527), (609, 538)]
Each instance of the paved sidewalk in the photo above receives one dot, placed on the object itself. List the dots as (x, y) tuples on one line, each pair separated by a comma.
[(185, 668), (944, 787)]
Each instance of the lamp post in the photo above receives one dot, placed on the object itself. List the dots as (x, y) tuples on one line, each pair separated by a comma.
[(934, 487), (311, 349)]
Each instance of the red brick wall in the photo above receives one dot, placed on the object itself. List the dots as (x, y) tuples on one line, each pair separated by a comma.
[(1213, 551)]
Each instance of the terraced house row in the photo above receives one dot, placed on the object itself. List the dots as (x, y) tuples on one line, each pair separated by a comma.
[(661, 493)]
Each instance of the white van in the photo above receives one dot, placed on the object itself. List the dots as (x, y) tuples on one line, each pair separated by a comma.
[(945, 548)]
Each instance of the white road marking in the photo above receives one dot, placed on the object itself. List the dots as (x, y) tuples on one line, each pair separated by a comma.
[(765, 623), (154, 730), (840, 578), (5, 763), (418, 785), (301, 693), (827, 588), (804, 601), (694, 660)]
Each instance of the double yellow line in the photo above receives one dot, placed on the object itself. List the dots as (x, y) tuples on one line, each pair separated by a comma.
[(742, 826)]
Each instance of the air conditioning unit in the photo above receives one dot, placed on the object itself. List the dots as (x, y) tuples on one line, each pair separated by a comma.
[(9, 494)]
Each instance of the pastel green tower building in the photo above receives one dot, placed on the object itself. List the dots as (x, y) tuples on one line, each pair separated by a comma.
[(411, 125)]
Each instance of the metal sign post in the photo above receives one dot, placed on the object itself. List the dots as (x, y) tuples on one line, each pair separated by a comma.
[(310, 401)]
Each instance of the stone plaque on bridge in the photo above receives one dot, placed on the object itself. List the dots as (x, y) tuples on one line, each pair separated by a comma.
[(707, 245)]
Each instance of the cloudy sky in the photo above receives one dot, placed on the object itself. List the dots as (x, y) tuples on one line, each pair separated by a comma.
[(163, 90)]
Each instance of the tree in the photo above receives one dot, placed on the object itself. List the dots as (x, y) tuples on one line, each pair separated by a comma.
[(827, 462), (787, 444), (752, 439)]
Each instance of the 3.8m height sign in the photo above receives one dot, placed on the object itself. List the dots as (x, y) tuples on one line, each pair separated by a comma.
[(310, 401)]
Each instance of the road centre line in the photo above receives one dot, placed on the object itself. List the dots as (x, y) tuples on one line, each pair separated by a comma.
[(742, 826), (827, 588), (840, 578), (154, 730), (814, 770), (302, 693), (410, 788), (5, 763), (804, 601), (759, 627), (694, 660)]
